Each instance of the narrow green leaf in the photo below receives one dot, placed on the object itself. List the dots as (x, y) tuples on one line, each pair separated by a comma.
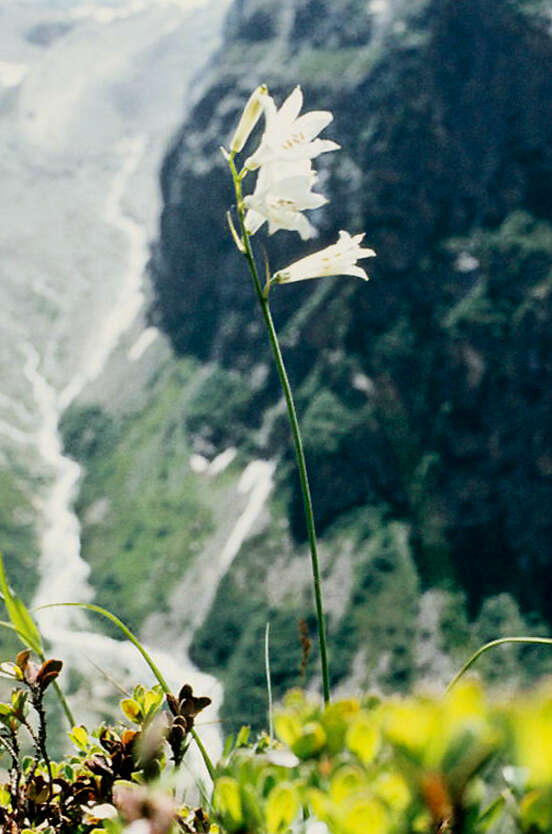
[(537, 641), (20, 618), (491, 814), (89, 606)]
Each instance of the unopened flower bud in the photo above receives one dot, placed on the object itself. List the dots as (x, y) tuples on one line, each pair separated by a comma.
[(249, 118)]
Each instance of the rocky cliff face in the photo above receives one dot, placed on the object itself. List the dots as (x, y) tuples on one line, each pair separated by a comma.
[(426, 392)]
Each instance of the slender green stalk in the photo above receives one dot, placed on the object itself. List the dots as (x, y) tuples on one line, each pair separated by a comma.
[(205, 755), (299, 453), (268, 683), (64, 705), (542, 641), (89, 606)]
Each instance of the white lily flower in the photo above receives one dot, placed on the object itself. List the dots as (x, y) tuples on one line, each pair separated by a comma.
[(249, 118), (282, 202), (288, 136), (338, 259)]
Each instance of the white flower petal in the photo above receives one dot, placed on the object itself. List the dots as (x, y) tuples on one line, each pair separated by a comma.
[(306, 230), (338, 259), (270, 108), (249, 118), (313, 123), (357, 271), (288, 135), (253, 221), (291, 107)]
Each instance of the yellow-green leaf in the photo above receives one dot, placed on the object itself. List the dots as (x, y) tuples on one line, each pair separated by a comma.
[(282, 807), (319, 802), (536, 811), (79, 737), (152, 700), (311, 740), (227, 802), (288, 728), (366, 815), (364, 738), (393, 789), (346, 781), (132, 710)]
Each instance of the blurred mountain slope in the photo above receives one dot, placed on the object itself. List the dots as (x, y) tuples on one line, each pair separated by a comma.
[(428, 390)]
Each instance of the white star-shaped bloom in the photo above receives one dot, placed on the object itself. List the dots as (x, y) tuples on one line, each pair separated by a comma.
[(338, 259), (288, 136), (281, 195)]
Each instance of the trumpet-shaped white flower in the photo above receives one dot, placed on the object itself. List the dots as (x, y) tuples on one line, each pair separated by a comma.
[(338, 259), (282, 201), (288, 136), (251, 114)]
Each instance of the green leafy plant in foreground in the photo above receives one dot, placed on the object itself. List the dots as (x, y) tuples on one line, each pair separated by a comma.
[(458, 764), (110, 778)]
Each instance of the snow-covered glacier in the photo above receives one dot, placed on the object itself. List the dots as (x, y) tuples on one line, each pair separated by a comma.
[(90, 93)]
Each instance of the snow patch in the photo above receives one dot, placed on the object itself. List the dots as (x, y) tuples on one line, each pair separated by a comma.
[(142, 343), (201, 465), (15, 434), (108, 14), (198, 464), (257, 479), (12, 74), (379, 7), (221, 461), (466, 262)]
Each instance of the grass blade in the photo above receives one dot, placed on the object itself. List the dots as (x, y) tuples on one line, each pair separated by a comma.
[(90, 606), (268, 682), (26, 629), (19, 616), (542, 641)]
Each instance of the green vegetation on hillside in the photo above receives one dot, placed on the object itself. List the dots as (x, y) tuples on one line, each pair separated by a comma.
[(145, 515)]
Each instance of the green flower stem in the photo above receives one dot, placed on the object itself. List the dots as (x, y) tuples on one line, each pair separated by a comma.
[(268, 684), (64, 705), (204, 754), (541, 641), (300, 455)]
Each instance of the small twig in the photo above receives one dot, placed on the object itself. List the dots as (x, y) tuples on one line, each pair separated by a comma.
[(36, 698), (306, 647), (12, 747), (9, 747)]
